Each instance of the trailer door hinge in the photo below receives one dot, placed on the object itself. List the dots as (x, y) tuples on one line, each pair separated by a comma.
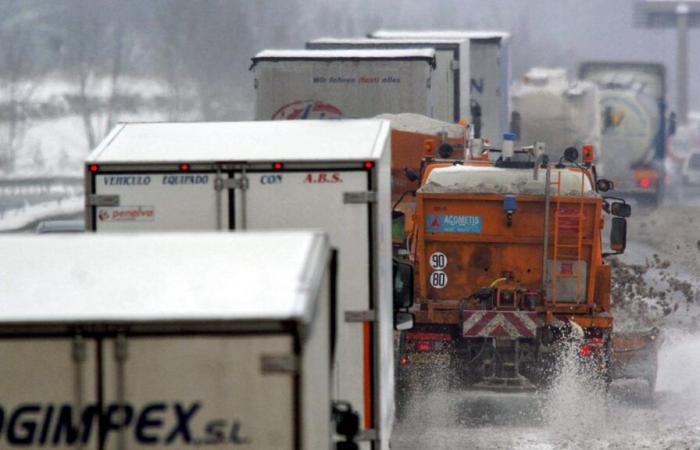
[(367, 435), (279, 364), (231, 183), (454, 64), (102, 200), (360, 197), (360, 316)]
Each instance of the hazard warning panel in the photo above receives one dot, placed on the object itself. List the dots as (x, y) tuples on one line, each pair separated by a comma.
[(506, 324)]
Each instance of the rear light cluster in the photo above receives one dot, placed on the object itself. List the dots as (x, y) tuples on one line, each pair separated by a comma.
[(428, 342), (513, 299), (591, 346)]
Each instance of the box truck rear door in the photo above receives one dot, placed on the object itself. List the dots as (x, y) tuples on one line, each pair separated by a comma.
[(316, 199), (163, 201), (48, 386), (214, 392)]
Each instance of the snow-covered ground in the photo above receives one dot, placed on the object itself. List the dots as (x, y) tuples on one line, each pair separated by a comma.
[(19, 218), (55, 143)]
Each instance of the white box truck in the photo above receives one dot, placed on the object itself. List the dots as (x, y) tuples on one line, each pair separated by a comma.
[(489, 66), (451, 68), (326, 174), (167, 341), (343, 84)]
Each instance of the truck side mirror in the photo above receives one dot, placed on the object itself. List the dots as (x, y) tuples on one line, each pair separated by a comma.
[(620, 209), (398, 226), (403, 285), (618, 234), (403, 320), (411, 174)]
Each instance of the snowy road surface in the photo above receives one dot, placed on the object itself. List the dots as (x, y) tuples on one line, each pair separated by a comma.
[(571, 417)]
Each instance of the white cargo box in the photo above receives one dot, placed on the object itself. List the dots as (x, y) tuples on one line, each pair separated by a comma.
[(343, 84), (489, 70), (451, 68), (325, 174), (166, 341)]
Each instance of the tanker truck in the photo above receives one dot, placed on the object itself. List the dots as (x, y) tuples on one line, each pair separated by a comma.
[(510, 262), (549, 107), (633, 106)]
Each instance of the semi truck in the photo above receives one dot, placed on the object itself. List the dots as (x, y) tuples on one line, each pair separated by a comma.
[(510, 264), (549, 107), (452, 82), (166, 341), (344, 84), (489, 66), (634, 134), (323, 174)]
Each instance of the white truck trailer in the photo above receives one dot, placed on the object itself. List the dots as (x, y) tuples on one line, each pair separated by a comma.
[(451, 68), (489, 68), (326, 174), (337, 84), (166, 341)]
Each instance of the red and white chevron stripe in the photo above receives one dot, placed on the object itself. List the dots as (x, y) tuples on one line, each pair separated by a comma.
[(507, 324)]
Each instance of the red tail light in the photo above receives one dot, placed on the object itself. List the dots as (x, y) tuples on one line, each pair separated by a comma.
[(423, 346), (184, 167), (585, 351), (94, 168), (278, 166), (403, 360), (645, 183), (368, 165)]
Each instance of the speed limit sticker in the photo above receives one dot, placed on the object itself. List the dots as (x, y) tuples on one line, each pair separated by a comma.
[(438, 279), (438, 261)]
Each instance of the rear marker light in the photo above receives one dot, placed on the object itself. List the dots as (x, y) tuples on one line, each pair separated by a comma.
[(94, 167), (423, 346), (645, 182), (184, 167), (403, 360), (585, 351), (369, 165), (277, 166)]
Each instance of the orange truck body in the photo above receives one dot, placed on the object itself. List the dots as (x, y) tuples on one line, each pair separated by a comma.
[(482, 307), (408, 149), (476, 260)]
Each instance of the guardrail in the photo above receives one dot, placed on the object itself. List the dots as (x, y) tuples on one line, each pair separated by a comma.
[(16, 193)]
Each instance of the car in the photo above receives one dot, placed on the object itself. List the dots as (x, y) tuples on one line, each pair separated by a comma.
[(60, 226), (691, 170)]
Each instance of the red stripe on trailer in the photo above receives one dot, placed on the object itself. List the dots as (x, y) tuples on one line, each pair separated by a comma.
[(486, 317), (513, 324), (499, 331), (518, 322)]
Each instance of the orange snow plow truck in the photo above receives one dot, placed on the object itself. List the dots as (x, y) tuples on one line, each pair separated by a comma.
[(509, 261)]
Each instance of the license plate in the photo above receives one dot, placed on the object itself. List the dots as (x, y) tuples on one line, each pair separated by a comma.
[(431, 358)]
